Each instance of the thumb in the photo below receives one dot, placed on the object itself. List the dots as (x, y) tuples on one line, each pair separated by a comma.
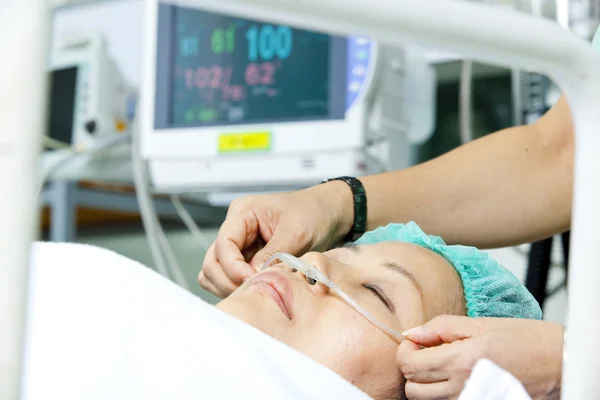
[(280, 242), (406, 348), (442, 329)]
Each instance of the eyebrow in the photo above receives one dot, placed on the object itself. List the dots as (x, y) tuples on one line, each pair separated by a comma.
[(394, 266), (352, 247)]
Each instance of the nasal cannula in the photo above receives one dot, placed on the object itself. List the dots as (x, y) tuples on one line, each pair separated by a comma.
[(312, 273)]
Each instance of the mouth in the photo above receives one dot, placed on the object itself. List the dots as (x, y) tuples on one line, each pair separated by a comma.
[(275, 285)]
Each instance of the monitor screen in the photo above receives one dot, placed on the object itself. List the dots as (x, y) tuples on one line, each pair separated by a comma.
[(220, 70), (63, 84)]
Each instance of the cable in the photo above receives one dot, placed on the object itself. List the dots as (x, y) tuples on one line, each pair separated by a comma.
[(189, 222), (465, 102), (551, 292), (72, 155), (163, 255), (55, 144), (172, 263), (140, 172), (525, 253), (558, 288)]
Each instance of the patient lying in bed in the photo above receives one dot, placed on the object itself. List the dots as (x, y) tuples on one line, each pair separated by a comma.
[(398, 281), (101, 326), (403, 284)]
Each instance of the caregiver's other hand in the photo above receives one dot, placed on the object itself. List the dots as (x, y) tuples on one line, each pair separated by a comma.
[(530, 350), (256, 227)]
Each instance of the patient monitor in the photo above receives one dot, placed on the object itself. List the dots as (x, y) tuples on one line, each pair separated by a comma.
[(89, 97), (240, 104)]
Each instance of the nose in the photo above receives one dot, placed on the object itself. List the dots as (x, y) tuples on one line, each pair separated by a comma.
[(323, 264)]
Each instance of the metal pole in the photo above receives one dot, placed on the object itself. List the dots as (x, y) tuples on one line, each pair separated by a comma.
[(23, 35)]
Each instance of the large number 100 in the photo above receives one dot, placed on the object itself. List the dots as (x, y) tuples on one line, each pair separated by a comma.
[(269, 42)]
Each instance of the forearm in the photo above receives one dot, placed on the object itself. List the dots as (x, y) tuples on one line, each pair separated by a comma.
[(510, 187)]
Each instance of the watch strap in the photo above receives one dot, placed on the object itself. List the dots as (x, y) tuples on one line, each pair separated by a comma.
[(359, 196)]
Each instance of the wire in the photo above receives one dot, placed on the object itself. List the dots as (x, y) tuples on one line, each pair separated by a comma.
[(172, 263), (465, 102), (112, 142), (559, 286), (525, 254), (189, 222), (164, 258), (55, 144), (139, 169)]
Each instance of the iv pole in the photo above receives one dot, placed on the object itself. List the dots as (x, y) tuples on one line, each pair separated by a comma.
[(491, 35), (23, 35)]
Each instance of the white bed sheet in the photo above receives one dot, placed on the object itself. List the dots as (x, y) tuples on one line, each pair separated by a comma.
[(101, 326)]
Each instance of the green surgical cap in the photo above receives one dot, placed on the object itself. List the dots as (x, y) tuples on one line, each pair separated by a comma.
[(490, 289)]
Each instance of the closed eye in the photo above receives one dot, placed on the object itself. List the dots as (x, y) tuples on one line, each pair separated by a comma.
[(380, 295)]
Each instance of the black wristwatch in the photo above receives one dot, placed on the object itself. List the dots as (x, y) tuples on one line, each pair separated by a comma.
[(360, 207)]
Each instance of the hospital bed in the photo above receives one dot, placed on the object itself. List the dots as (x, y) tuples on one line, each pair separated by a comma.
[(102, 326), (529, 43), (133, 334)]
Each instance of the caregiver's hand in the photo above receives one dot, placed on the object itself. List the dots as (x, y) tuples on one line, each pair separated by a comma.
[(256, 227), (530, 350)]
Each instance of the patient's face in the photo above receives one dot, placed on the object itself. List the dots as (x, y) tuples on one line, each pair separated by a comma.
[(403, 285)]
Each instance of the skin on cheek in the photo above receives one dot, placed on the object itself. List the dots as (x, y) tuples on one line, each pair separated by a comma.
[(259, 312), (330, 332), (352, 347)]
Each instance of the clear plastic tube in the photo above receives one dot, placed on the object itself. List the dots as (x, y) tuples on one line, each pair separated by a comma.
[(311, 272)]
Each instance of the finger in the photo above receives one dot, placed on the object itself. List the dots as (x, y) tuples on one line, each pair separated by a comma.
[(443, 329), (236, 234), (209, 287), (209, 260), (254, 248), (216, 281), (209, 277), (429, 365), (284, 240), (437, 390), (209, 257)]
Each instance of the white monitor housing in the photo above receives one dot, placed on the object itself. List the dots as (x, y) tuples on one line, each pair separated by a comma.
[(232, 104), (89, 97)]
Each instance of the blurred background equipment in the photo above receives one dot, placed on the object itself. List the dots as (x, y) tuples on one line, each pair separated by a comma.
[(86, 172), (89, 98)]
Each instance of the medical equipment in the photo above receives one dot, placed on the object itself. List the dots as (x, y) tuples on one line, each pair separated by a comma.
[(99, 147), (237, 103), (89, 98), (313, 273)]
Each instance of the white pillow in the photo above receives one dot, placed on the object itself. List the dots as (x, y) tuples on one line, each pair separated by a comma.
[(101, 326)]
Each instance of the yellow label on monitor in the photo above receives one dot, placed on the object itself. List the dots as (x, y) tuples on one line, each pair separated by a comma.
[(241, 142)]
